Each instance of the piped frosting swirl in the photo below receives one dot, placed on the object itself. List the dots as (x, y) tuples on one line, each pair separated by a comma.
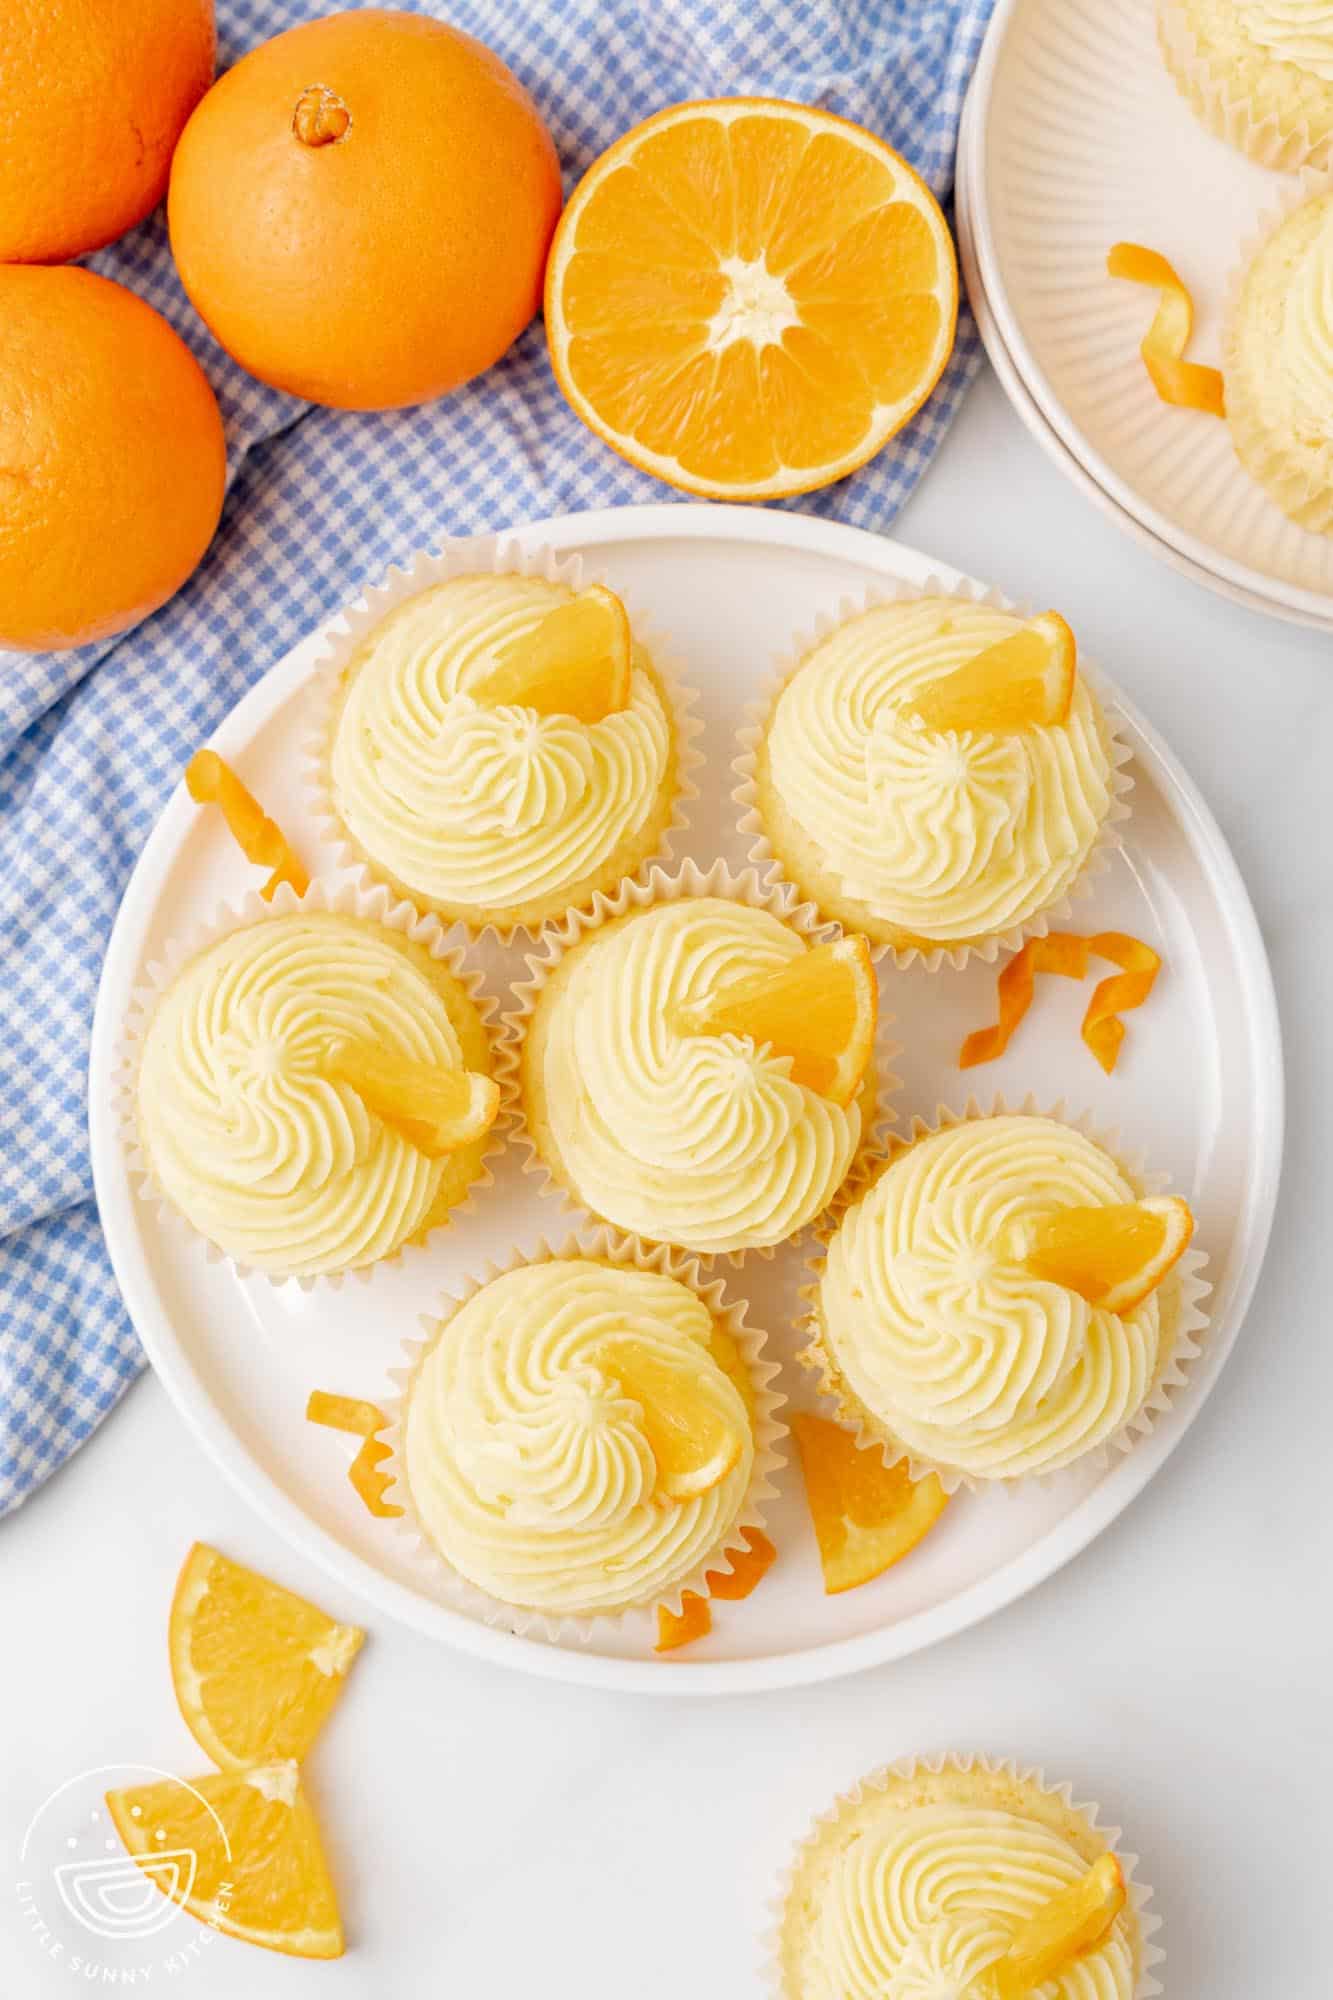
[(1296, 31)]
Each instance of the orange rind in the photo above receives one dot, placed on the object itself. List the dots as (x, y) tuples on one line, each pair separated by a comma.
[(819, 1009), (1055, 1936), (578, 662), (363, 1420), (1113, 1254), (867, 1515), (1025, 681), (693, 1621), (1067, 953), (436, 1110), (1184, 383), (749, 1566), (210, 781)]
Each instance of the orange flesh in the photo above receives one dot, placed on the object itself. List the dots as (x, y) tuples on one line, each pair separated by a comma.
[(1067, 953), (1112, 1254), (1023, 682), (819, 1009), (867, 1516), (1071, 1924), (693, 1441), (260, 839), (578, 662), (436, 1110), (1184, 383)]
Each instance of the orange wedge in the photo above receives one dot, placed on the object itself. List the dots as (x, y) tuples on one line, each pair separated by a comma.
[(436, 1110), (1023, 682), (819, 1009), (248, 1843), (748, 298), (256, 1669), (867, 1515), (694, 1440), (577, 662), (1061, 1931), (1112, 1255)]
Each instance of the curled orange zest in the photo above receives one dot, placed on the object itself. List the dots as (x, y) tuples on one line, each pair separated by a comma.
[(749, 1566), (363, 1420), (1176, 380), (211, 782), (694, 1620), (1103, 1030), (1067, 953)]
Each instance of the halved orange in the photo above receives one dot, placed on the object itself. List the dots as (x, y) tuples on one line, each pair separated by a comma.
[(436, 1110), (694, 1439), (1049, 1941), (256, 1669), (867, 1515), (747, 297), (577, 662), (1113, 1254), (1023, 682), (819, 1009), (250, 1847)]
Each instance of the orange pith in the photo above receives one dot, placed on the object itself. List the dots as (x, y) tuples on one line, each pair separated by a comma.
[(257, 1670), (577, 662), (819, 1009), (259, 1875), (748, 297), (1056, 1935), (1112, 1255), (1023, 682), (867, 1515), (694, 1438), (436, 1110)]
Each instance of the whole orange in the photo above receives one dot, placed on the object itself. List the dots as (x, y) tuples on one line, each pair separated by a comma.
[(111, 458), (93, 96), (361, 209)]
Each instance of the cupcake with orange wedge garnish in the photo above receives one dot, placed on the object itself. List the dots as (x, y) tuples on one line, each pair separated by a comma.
[(935, 773), (1007, 1298)]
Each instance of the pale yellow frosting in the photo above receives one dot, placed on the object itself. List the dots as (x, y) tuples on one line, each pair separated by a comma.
[(700, 1140), (282, 1170), (1305, 348), (954, 1351), (473, 805), (529, 1468), (946, 836), (1296, 31)]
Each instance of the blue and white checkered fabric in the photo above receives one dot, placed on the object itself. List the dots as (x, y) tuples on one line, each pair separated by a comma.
[(320, 501)]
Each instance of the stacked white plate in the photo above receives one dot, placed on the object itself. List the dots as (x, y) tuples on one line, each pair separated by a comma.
[(1075, 137)]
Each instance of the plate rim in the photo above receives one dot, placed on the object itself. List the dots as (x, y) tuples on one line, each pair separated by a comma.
[(1003, 1586)]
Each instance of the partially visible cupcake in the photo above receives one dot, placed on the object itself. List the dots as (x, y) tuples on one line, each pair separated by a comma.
[(1004, 1300), (923, 1879), (242, 1120), (1257, 72), (1278, 364), (930, 835)]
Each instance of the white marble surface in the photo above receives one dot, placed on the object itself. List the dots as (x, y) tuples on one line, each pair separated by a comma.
[(500, 1836)]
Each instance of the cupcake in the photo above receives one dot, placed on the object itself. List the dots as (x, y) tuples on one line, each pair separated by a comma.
[(1278, 364), (654, 1116), (585, 1433), (1004, 1300), (930, 825), (932, 1872), (244, 1118), (1257, 72), (497, 746)]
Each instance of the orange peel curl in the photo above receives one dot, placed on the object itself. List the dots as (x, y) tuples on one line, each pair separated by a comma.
[(210, 781), (364, 1420), (1187, 384), (1068, 953)]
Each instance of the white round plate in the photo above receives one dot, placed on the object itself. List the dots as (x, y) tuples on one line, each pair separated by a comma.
[(1083, 140), (1199, 1089)]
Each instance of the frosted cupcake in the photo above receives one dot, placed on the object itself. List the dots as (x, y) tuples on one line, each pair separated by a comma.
[(903, 786), (1279, 365), (498, 747), (945, 1878), (583, 1435), (1257, 72), (1003, 1300), (245, 1116)]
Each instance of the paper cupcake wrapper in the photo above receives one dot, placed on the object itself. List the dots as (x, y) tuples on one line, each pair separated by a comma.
[(1301, 487), (769, 865), (1138, 1893), (1182, 1293), (564, 1628), (1275, 139), (499, 555), (659, 887), (373, 905)]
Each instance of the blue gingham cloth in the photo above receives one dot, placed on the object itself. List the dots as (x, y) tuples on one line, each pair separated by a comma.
[(320, 501)]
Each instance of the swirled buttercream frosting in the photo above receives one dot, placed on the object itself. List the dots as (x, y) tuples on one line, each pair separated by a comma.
[(1296, 31), (1279, 365), (281, 1169), (529, 1468), (483, 808), (907, 1900), (952, 1349), (700, 1140), (943, 836)]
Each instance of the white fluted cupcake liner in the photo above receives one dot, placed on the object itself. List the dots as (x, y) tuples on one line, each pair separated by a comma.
[(1102, 1839), (1182, 1293), (1282, 141), (769, 1431), (764, 858), (501, 555), (372, 904), (689, 880)]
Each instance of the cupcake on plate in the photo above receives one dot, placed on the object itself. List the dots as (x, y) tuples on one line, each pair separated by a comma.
[(1257, 72), (1278, 364), (661, 1073), (1005, 1299), (497, 744), (934, 773), (311, 1086), (586, 1432), (933, 1873)]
